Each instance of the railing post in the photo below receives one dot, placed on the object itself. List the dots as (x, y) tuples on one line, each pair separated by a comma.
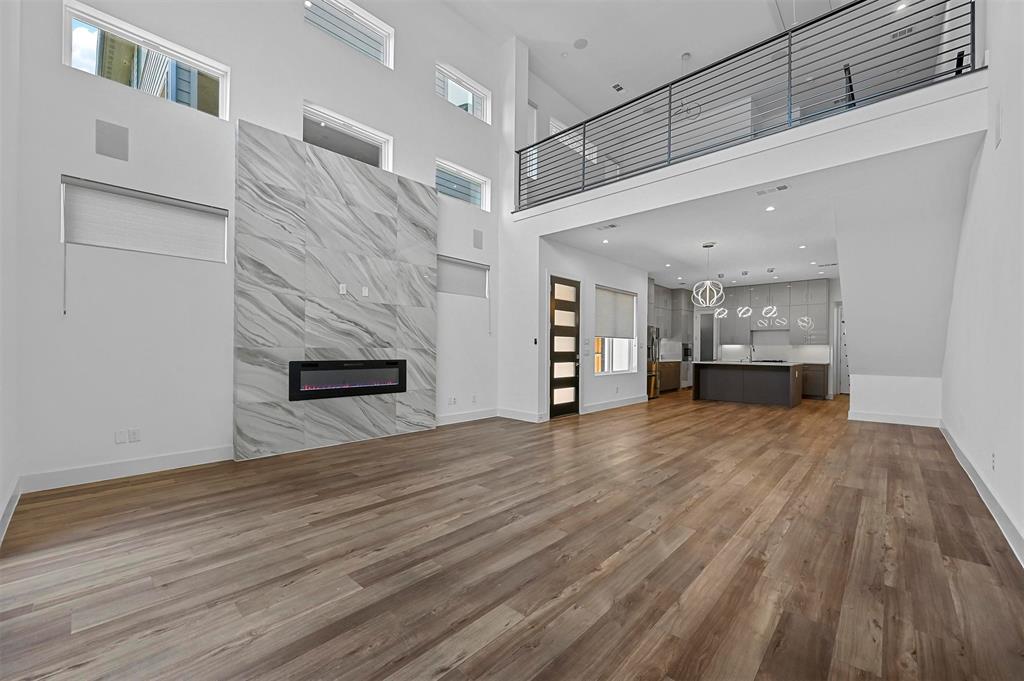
[(974, 55), (519, 180), (668, 157), (789, 79), (583, 159)]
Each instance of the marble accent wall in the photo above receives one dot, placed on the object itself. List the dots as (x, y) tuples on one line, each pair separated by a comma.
[(307, 220)]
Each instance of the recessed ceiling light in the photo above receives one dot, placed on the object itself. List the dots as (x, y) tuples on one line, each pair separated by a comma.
[(734, 281), (902, 5), (605, 241), (668, 264), (802, 246), (814, 262), (821, 273), (322, 124), (564, 55), (679, 278), (775, 277), (581, 43), (769, 209), (307, 3)]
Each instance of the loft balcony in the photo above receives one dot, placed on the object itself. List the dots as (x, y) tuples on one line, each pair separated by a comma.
[(856, 55)]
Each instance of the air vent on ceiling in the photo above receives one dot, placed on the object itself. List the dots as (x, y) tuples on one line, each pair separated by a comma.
[(902, 33), (604, 227), (770, 270), (745, 272), (617, 87), (772, 190), (828, 264)]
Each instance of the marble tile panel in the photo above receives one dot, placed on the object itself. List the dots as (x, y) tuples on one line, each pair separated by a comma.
[(415, 285), (327, 269), (416, 410), (272, 265), (261, 374), (337, 226), (265, 428), (267, 156), (349, 419), (417, 223), (269, 319), (420, 367), (349, 325), (334, 176), (416, 328), (334, 353), (270, 211)]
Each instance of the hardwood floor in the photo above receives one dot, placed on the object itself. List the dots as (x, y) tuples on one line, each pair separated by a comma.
[(671, 540)]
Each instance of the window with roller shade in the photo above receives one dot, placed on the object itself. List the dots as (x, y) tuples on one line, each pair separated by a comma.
[(462, 277), (462, 184), (614, 331)]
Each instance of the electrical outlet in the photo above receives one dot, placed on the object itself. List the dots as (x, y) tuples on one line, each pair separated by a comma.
[(366, 291), (120, 437), (993, 461), (134, 435), (616, 390)]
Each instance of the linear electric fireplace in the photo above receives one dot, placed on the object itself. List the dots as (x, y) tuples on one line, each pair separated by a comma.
[(344, 378)]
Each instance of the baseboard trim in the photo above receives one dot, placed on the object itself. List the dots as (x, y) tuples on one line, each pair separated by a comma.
[(1006, 526), (464, 416), (12, 503), (518, 415), (612, 404), (898, 419), (37, 482)]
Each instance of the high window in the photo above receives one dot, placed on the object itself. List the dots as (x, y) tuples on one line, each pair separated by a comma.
[(465, 93), (464, 185), (328, 130), (105, 46), (354, 26), (614, 331)]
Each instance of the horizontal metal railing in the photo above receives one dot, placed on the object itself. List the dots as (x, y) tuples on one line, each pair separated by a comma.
[(860, 53)]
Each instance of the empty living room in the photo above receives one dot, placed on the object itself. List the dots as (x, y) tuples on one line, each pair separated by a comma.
[(512, 340)]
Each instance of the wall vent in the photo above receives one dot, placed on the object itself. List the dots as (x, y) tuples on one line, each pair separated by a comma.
[(902, 33)]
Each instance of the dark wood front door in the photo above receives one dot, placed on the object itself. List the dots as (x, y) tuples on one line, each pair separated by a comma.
[(564, 347)]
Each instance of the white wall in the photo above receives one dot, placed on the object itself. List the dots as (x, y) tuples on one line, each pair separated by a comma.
[(135, 308), (597, 392), (10, 21), (551, 104), (982, 398)]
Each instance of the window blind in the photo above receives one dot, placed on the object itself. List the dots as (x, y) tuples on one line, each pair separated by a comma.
[(458, 186), (96, 214), (462, 277), (343, 23), (614, 313)]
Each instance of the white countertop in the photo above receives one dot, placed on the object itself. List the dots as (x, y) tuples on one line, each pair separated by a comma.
[(754, 364)]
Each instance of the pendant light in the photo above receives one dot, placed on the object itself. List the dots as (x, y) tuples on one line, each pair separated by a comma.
[(708, 293)]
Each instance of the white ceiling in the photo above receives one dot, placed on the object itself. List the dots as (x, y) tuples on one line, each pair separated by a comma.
[(637, 43), (749, 238)]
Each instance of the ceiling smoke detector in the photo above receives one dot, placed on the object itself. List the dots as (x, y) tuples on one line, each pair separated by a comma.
[(581, 43)]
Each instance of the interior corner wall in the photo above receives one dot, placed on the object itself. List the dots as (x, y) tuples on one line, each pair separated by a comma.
[(597, 392), (309, 221), (983, 372), (551, 104), (147, 342), (10, 86)]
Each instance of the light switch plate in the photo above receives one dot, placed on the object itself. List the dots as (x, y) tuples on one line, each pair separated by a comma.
[(342, 289), (366, 291)]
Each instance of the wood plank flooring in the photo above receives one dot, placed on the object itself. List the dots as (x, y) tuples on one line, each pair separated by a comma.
[(672, 540)]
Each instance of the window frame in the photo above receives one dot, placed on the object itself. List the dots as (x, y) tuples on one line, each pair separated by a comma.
[(372, 22), (476, 89), (354, 128), (72, 9), (607, 354), (472, 263), (454, 169)]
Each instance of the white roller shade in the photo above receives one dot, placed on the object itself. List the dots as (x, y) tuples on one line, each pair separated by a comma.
[(96, 214), (614, 313), (461, 277)]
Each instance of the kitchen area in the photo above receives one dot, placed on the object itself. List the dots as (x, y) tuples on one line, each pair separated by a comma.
[(760, 344)]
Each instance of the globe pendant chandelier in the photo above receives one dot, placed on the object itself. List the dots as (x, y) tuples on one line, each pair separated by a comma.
[(708, 293)]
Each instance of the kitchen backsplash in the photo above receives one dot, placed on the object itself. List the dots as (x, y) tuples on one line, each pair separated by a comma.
[(812, 354)]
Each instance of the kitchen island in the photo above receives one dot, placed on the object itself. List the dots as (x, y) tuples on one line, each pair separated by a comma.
[(749, 382)]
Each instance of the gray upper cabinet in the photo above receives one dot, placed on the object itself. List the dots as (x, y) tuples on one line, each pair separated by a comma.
[(817, 292), (798, 293), (733, 329), (779, 295), (818, 333), (759, 296)]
